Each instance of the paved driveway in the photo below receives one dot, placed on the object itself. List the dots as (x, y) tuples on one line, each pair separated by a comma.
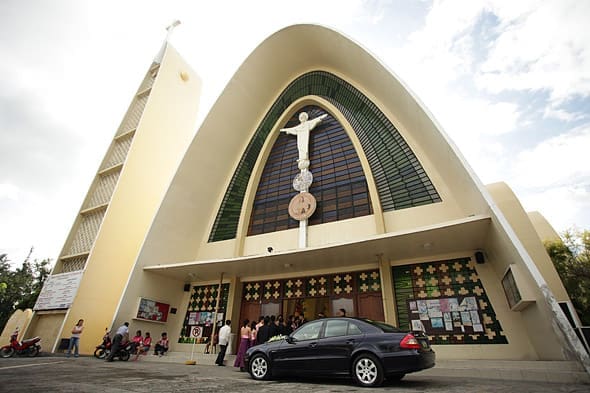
[(85, 374)]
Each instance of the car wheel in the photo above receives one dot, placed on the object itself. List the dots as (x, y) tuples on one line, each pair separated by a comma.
[(367, 370), (259, 367), (6, 352)]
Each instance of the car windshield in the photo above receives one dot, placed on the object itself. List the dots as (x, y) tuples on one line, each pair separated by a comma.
[(383, 326)]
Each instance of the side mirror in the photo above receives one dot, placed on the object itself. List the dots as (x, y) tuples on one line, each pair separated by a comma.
[(290, 339)]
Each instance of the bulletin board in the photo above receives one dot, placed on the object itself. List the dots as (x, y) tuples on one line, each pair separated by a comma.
[(150, 310), (452, 315)]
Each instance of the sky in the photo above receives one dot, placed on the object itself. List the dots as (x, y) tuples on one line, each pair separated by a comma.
[(508, 81)]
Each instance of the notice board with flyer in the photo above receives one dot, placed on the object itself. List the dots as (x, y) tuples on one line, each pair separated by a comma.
[(151, 310)]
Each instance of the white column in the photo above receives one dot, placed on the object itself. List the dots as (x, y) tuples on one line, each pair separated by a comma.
[(303, 233)]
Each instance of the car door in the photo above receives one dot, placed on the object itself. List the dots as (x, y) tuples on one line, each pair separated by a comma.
[(340, 338), (299, 352)]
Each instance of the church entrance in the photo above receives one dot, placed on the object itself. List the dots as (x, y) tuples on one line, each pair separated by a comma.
[(358, 293)]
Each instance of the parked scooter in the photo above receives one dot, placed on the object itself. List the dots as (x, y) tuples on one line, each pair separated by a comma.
[(103, 350), (28, 347)]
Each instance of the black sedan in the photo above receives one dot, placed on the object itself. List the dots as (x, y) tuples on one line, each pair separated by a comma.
[(371, 351)]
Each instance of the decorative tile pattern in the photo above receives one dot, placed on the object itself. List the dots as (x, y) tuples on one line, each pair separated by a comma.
[(338, 285), (271, 290), (369, 281), (203, 300), (426, 292)]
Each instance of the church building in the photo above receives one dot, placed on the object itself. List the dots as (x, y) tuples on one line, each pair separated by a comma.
[(317, 181)]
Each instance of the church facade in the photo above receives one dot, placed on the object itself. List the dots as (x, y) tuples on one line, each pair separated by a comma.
[(316, 182)]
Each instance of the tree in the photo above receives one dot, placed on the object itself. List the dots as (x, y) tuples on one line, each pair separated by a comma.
[(571, 257), (20, 288)]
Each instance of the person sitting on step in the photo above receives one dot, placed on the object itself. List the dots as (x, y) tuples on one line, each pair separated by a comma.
[(162, 345)]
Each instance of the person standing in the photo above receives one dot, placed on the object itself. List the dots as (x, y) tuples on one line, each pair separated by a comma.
[(253, 332), (244, 344), (273, 329), (75, 338), (263, 332), (122, 332), (224, 336)]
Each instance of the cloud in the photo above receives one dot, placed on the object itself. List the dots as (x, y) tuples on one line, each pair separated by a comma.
[(8, 191), (551, 112), (561, 161), (542, 45), (564, 207)]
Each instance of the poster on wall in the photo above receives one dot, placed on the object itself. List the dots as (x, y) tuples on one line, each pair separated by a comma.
[(205, 318), (445, 315), (151, 310), (193, 318)]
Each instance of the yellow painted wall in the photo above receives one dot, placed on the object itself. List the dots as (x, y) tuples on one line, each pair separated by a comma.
[(165, 129), (47, 326), (528, 235), (542, 227), (545, 337)]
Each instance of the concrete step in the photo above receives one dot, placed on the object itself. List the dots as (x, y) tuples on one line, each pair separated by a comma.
[(519, 370), (541, 371)]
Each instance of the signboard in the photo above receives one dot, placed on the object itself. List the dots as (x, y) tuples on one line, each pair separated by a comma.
[(59, 291), (196, 332), (151, 310)]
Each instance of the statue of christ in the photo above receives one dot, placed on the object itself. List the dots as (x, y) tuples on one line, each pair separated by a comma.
[(302, 131)]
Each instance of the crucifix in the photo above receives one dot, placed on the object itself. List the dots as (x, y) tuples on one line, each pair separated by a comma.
[(169, 29), (303, 205)]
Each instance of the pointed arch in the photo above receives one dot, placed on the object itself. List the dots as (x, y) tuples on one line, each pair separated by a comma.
[(401, 180)]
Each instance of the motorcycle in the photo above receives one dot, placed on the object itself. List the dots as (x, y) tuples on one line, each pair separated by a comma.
[(103, 350), (124, 351), (28, 347)]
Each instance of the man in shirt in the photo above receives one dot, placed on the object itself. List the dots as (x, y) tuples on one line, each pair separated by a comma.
[(224, 337), (122, 331)]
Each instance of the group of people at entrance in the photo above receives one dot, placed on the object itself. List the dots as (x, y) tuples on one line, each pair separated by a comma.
[(254, 333)]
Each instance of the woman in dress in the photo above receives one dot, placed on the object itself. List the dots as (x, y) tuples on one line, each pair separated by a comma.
[(244, 343), (253, 332)]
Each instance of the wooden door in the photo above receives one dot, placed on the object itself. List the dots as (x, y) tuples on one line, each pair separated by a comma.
[(370, 306), (250, 311)]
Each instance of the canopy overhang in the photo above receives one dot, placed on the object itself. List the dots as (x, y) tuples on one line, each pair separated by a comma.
[(449, 237)]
